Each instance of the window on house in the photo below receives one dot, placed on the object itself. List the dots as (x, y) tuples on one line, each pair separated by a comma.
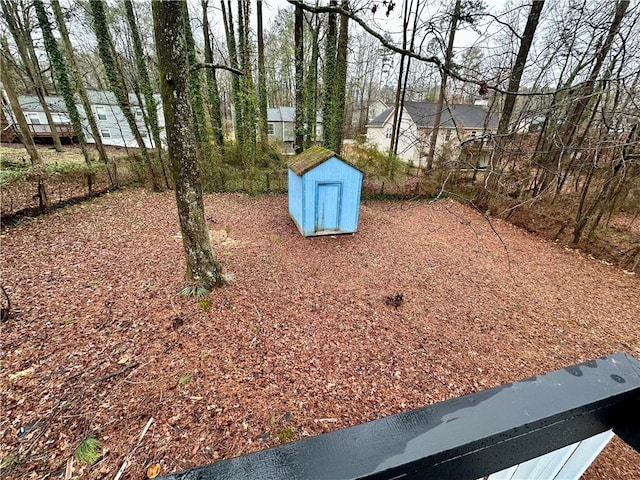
[(105, 133), (34, 118), (473, 133), (101, 112), (387, 133), (138, 112), (447, 136), (270, 129), (144, 133)]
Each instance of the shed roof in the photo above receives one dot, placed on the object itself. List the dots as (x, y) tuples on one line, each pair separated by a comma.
[(312, 157)]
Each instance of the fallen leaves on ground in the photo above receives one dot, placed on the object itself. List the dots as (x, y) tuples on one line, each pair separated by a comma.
[(301, 342)]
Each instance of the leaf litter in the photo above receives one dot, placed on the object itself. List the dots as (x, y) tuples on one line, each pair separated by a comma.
[(423, 304)]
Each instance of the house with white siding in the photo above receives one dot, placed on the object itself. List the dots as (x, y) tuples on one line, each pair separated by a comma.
[(460, 126), (112, 124)]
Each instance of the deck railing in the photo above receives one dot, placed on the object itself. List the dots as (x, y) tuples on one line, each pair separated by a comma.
[(549, 426), (44, 130)]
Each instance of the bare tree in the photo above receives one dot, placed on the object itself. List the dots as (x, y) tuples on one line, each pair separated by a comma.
[(18, 22), (25, 134)]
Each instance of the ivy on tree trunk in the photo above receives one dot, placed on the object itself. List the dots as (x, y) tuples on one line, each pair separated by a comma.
[(212, 81), (64, 85), (82, 92), (262, 80), (116, 82), (299, 69), (328, 79), (150, 104)]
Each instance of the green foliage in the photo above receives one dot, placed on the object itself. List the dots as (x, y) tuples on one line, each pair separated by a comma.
[(185, 379), (74, 168), (13, 171), (264, 173), (8, 461), (376, 163), (89, 451), (286, 435), (194, 291)]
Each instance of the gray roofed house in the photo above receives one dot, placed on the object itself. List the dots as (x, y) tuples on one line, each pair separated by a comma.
[(281, 123), (459, 125)]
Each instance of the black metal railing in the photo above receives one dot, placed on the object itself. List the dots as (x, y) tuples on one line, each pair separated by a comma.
[(464, 438)]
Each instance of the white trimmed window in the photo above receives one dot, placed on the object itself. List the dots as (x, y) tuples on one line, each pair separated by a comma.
[(138, 112), (447, 136), (105, 133), (387, 133), (270, 129), (34, 118), (101, 112)]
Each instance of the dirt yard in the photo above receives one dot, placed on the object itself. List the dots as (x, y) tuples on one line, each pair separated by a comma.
[(300, 343)]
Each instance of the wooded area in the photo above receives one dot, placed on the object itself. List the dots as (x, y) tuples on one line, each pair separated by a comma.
[(562, 79), (464, 115)]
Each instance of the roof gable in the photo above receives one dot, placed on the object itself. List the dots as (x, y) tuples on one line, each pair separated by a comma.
[(381, 119), (312, 157)]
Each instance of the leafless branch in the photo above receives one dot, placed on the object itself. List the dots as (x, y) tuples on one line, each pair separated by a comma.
[(216, 66)]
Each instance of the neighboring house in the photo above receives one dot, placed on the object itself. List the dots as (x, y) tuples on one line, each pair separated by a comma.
[(281, 123), (366, 113), (461, 127), (113, 126)]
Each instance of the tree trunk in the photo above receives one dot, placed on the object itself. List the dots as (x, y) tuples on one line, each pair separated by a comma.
[(172, 50), (199, 123), (64, 85), (518, 67), (212, 81), (443, 85), (298, 36), (397, 110), (340, 87), (513, 87), (238, 124), (247, 87), (311, 91), (25, 134), (82, 92), (328, 79), (21, 35), (150, 104), (262, 80), (583, 97), (116, 82)]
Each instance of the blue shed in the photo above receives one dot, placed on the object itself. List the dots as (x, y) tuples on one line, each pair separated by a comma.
[(324, 193)]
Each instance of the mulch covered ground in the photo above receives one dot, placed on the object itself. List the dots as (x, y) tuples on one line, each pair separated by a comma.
[(301, 342)]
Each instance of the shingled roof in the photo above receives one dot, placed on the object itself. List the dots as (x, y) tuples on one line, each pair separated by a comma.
[(453, 115), (381, 119), (312, 157)]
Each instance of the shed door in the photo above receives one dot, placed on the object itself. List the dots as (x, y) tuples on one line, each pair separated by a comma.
[(328, 206)]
